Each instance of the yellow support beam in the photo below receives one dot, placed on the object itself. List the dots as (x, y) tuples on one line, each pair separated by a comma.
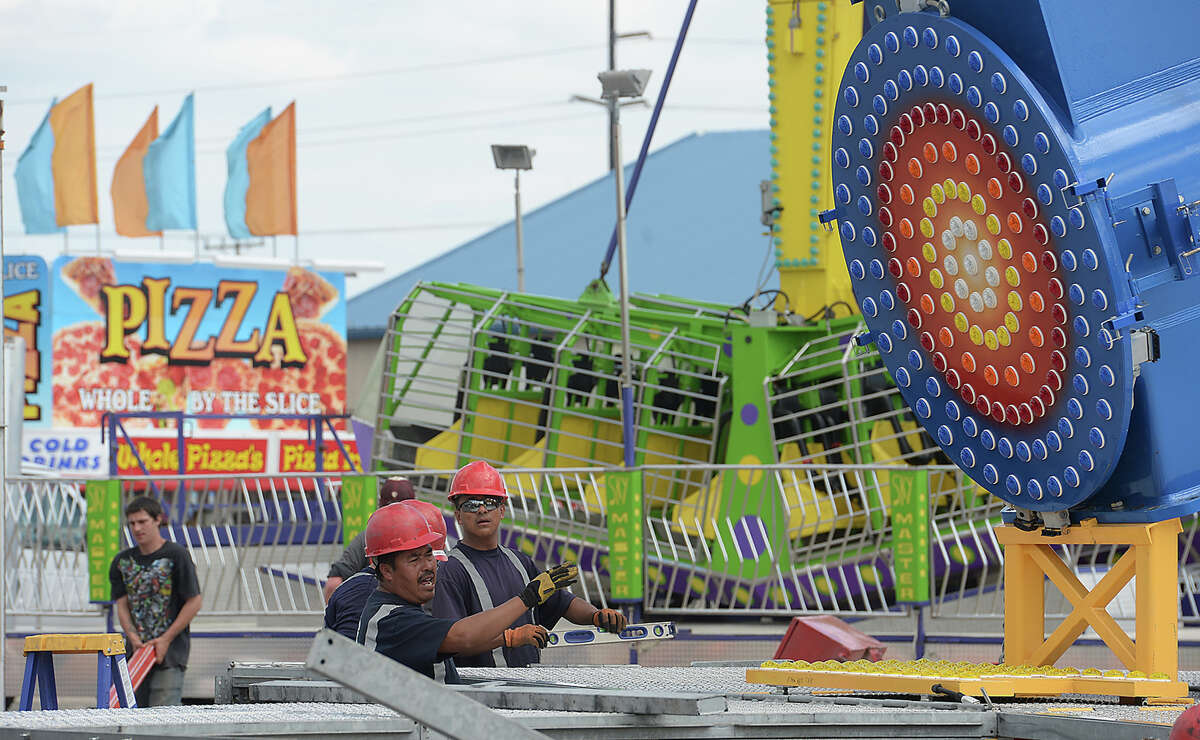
[(1024, 603), (109, 644), (809, 43), (1151, 561)]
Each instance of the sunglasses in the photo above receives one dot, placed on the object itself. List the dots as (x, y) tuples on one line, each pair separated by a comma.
[(475, 504)]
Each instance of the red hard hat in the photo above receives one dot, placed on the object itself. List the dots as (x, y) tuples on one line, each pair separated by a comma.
[(1187, 727), (433, 516), (477, 479), (398, 527)]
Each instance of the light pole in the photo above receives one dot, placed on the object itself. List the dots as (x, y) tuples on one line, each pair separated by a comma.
[(516, 158), (617, 84)]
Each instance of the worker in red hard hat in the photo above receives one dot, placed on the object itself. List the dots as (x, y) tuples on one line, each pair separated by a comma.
[(400, 542), (352, 561), (346, 604), (481, 572)]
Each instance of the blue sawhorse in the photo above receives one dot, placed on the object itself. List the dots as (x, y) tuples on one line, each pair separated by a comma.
[(111, 669)]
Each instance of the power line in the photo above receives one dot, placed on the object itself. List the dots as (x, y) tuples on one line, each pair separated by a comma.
[(112, 153), (365, 230), (432, 66), (429, 67)]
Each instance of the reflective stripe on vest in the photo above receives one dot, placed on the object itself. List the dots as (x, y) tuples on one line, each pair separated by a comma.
[(481, 592), (372, 633)]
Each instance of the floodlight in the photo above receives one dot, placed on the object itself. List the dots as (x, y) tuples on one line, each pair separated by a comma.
[(513, 157), (623, 83)]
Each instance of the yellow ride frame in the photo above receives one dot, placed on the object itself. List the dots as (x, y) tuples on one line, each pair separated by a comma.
[(1152, 558)]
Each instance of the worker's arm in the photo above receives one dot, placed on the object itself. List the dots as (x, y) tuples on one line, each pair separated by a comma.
[(126, 619), (186, 613), (581, 612), (484, 631), (331, 584)]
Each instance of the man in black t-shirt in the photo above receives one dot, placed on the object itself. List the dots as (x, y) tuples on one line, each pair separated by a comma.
[(400, 540), (481, 572), (156, 593)]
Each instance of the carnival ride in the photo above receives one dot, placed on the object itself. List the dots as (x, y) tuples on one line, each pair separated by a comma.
[(1014, 215), (1017, 215), (531, 382)]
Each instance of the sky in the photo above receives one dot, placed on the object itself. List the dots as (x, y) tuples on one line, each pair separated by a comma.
[(397, 104)]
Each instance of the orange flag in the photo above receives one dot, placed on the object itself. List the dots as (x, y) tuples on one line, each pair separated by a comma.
[(74, 160), (271, 162), (129, 184)]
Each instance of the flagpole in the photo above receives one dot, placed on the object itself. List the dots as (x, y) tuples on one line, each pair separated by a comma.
[(4, 431)]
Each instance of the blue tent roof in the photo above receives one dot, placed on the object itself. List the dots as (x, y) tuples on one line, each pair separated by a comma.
[(693, 231)]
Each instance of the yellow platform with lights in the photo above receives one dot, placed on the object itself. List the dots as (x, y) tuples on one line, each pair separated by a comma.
[(1151, 657), (972, 679)]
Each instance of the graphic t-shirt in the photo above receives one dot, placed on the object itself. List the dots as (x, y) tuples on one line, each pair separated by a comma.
[(456, 598), (157, 585)]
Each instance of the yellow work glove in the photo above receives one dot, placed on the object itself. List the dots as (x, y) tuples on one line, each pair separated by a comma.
[(609, 620), (527, 634), (548, 582)]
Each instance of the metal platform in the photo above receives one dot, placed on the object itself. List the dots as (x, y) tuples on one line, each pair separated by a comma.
[(751, 711)]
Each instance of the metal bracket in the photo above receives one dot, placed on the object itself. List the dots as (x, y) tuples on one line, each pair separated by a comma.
[(1144, 347), (407, 692), (770, 211), (1125, 319), (827, 218), (1079, 190), (916, 6), (1055, 523), (1169, 228), (1026, 520)]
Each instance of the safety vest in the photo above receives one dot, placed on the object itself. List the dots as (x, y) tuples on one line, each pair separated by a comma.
[(370, 639), (481, 591)]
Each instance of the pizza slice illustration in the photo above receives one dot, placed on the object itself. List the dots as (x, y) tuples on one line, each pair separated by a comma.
[(311, 295), (87, 275)]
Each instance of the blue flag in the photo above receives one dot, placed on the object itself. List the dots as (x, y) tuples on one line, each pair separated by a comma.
[(170, 172), (35, 181), (239, 176)]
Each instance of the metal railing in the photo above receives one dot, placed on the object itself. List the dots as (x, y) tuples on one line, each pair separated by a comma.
[(45, 551), (728, 540)]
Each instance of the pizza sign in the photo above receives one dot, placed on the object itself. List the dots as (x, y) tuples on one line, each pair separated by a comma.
[(26, 300), (131, 308), (139, 337)]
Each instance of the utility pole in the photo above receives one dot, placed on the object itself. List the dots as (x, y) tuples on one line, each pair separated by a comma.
[(613, 38), (612, 65)]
